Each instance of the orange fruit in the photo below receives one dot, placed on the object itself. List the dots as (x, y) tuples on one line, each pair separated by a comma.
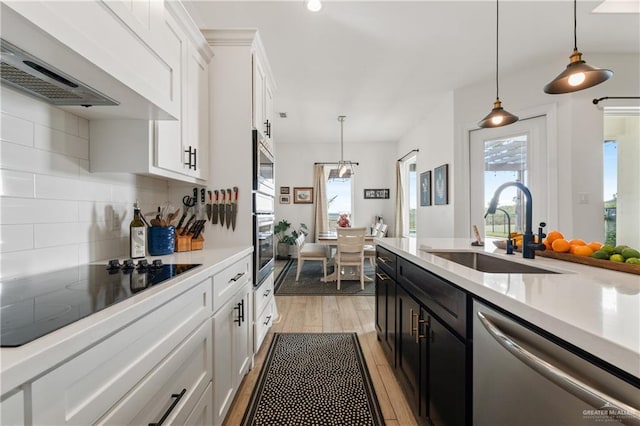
[(554, 235), (560, 245), (577, 241), (595, 246), (579, 250), (547, 244)]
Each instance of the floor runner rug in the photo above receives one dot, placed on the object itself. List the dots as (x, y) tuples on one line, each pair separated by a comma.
[(314, 379), (309, 283)]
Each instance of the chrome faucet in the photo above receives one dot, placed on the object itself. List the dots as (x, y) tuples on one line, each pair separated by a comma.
[(528, 245)]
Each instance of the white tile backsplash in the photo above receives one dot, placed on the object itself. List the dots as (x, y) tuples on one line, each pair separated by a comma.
[(16, 130), (54, 213), (16, 184), (53, 140), (16, 237)]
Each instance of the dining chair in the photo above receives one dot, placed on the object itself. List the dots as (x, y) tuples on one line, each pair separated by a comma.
[(310, 251), (350, 251)]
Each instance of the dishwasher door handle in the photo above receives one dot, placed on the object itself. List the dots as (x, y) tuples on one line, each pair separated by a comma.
[(561, 378)]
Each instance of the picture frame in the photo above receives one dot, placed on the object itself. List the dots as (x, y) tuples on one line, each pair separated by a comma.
[(425, 188), (441, 185), (303, 195), (376, 193), (285, 199), (284, 190)]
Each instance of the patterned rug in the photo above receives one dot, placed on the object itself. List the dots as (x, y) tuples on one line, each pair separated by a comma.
[(309, 283), (314, 379)]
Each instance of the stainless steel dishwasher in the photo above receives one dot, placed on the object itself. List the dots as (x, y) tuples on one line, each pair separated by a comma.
[(522, 378)]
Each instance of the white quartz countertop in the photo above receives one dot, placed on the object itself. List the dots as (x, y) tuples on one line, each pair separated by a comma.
[(595, 309), (24, 363)]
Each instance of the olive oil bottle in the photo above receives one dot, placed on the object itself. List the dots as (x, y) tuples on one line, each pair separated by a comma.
[(137, 234)]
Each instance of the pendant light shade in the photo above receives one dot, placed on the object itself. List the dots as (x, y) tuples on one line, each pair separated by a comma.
[(578, 75), (498, 116), (345, 168)]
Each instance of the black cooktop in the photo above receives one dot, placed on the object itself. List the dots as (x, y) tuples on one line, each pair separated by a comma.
[(34, 306)]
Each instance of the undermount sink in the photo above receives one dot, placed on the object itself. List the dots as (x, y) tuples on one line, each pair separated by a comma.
[(490, 264)]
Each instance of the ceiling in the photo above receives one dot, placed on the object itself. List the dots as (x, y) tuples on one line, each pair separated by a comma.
[(381, 63)]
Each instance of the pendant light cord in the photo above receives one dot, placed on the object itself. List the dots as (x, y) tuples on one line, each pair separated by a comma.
[(497, 37), (575, 25), (341, 119)]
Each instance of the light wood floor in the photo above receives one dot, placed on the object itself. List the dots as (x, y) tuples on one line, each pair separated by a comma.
[(315, 314)]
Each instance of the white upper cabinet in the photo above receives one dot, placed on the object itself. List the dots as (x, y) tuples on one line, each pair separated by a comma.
[(176, 149), (262, 95), (118, 48)]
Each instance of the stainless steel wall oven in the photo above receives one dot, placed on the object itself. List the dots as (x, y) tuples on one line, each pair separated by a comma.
[(263, 246)]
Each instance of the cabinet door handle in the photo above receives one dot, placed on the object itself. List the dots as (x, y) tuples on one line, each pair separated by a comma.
[(267, 321), (188, 151), (237, 277), (421, 321), (412, 328), (560, 377), (266, 293), (178, 397), (195, 159), (242, 310), (238, 320)]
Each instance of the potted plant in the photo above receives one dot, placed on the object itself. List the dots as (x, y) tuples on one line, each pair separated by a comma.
[(286, 240)]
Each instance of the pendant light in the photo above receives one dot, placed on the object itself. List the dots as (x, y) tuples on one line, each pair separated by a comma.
[(578, 75), (498, 116), (343, 166)]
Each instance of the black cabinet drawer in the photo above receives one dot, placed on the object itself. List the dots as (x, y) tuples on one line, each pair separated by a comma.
[(442, 298), (386, 261)]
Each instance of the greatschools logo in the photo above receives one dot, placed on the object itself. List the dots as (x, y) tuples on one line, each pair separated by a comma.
[(606, 413)]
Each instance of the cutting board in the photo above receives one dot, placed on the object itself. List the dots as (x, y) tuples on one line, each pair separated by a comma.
[(590, 261)]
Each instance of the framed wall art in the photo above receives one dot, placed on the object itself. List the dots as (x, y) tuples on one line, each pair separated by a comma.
[(285, 199), (441, 185), (302, 195), (284, 190), (370, 194), (425, 188)]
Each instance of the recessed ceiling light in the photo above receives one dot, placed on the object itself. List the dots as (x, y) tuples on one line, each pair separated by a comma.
[(283, 114), (314, 5)]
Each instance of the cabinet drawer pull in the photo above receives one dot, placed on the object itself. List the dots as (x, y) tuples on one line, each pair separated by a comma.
[(266, 293), (382, 259), (412, 329), (178, 397), (267, 321), (382, 276), (237, 277)]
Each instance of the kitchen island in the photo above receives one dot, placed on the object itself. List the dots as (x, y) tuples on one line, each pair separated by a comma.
[(124, 363), (472, 347)]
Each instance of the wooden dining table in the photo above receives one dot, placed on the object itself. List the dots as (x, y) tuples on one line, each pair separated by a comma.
[(350, 273)]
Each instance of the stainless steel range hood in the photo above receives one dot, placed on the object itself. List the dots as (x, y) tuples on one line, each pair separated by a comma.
[(27, 73), (54, 68)]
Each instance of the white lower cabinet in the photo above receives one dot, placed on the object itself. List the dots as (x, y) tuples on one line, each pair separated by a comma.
[(169, 393), (152, 348), (265, 312), (232, 351), (12, 409), (202, 413)]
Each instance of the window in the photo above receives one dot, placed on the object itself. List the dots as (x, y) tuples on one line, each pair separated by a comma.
[(517, 152), (412, 180), (610, 172), (410, 195), (339, 196)]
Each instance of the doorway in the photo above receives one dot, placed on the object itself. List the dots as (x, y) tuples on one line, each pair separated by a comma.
[(513, 153)]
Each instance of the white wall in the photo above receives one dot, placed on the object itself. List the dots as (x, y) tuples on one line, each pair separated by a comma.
[(294, 167), (55, 213), (575, 125)]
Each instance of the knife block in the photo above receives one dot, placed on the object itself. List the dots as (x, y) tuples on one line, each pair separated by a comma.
[(197, 243), (183, 242)]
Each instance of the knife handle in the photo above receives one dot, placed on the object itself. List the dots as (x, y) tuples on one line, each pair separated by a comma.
[(235, 191), (209, 192), (229, 192), (202, 190)]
